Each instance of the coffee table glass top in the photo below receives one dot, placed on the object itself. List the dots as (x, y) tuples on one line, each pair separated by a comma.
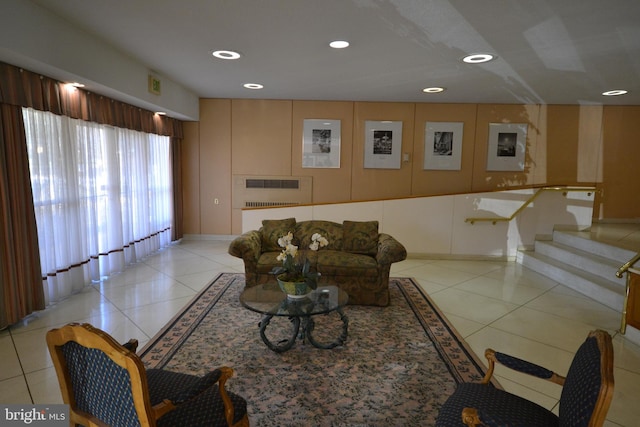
[(269, 299)]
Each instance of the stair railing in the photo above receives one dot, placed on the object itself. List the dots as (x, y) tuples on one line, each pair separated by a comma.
[(624, 268), (564, 190)]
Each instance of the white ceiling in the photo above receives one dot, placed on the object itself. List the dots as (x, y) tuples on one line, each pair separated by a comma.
[(548, 51)]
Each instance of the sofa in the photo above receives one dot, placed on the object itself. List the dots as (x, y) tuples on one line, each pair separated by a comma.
[(357, 257)]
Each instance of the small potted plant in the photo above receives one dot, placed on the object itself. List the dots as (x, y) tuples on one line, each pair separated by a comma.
[(295, 276)]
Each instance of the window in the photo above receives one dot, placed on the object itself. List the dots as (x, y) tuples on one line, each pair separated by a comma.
[(102, 196)]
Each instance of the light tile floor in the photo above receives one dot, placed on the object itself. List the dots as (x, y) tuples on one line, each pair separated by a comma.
[(491, 303)]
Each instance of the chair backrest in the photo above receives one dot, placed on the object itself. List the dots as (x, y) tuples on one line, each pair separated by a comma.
[(588, 388), (101, 381)]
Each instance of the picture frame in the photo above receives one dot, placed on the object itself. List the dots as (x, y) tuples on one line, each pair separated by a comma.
[(443, 145), (321, 143), (506, 148), (382, 144)]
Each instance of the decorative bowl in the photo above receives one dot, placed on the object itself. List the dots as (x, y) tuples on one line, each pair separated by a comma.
[(294, 289)]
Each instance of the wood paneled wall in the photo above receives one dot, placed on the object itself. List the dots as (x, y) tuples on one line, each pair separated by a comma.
[(566, 145)]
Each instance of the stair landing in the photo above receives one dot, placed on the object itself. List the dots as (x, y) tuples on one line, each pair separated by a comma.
[(625, 236)]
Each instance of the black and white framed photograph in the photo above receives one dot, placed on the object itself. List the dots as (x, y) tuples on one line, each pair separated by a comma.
[(443, 145), (382, 144), (507, 145), (321, 143)]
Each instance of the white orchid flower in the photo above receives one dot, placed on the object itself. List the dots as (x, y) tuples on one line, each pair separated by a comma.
[(317, 241), (285, 240), (291, 249)]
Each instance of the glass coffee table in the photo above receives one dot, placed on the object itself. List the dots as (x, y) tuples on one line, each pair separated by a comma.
[(270, 301)]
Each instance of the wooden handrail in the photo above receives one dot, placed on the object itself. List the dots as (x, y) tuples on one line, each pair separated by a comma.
[(564, 190)]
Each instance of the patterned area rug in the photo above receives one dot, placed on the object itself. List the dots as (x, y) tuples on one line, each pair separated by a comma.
[(397, 367)]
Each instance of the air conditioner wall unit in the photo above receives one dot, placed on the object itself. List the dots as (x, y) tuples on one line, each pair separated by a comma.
[(250, 191)]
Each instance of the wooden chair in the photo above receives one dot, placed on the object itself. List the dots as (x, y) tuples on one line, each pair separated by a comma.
[(105, 384), (586, 395)]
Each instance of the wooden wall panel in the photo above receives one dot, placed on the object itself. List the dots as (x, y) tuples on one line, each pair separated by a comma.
[(329, 185), (561, 131), (215, 166), (375, 184), (621, 154), (430, 182), (191, 178), (261, 132)]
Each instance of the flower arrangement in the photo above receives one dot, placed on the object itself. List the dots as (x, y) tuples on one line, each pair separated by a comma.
[(293, 269)]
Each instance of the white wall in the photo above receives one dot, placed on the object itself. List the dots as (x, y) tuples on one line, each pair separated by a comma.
[(435, 226), (39, 41)]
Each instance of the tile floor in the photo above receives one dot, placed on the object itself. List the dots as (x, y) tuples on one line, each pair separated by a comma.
[(492, 304)]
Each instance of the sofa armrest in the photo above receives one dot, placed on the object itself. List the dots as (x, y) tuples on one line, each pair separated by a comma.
[(247, 246), (389, 250)]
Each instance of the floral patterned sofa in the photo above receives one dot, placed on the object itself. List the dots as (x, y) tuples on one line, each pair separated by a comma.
[(357, 258)]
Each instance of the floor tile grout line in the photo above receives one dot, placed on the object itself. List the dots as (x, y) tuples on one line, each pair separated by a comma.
[(24, 374)]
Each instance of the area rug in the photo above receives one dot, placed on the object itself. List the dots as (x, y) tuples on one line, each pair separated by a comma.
[(397, 367)]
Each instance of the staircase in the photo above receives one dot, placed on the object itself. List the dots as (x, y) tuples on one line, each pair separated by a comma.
[(584, 265)]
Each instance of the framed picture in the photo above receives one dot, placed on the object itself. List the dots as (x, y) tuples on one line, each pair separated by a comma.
[(507, 145), (382, 144), (443, 145), (321, 143)]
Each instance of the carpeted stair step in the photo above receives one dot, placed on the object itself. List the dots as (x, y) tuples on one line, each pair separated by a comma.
[(605, 291), (583, 260)]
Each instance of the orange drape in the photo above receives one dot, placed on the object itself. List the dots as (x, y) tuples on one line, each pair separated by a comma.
[(20, 276)]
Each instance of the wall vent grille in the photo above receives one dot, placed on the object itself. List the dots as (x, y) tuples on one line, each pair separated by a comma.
[(272, 183), (268, 204)]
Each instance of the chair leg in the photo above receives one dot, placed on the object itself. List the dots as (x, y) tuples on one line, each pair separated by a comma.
[(228, 406)]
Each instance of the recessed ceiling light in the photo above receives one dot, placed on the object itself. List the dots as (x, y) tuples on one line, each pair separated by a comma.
[(339, 44), (226, 54), (478, 58), (433, 89), (614, 92), (253, 86)]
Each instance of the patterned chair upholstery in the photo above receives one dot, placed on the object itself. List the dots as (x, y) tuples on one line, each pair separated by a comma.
[(105, 384), (586, 393)]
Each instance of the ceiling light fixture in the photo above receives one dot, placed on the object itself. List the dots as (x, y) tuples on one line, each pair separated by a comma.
[(253, 86), (433, 89), (76, 84), (70, 87), (160, 113), (615, 92), (226, 54), (478, 58), (339, 44)]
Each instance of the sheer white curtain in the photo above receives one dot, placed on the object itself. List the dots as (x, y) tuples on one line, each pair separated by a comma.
[(102, 197)]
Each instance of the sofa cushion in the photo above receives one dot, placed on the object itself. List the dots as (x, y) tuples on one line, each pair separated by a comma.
[(337, 263), (267, 261), (360, 237), (272, 230), (332, 231)]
